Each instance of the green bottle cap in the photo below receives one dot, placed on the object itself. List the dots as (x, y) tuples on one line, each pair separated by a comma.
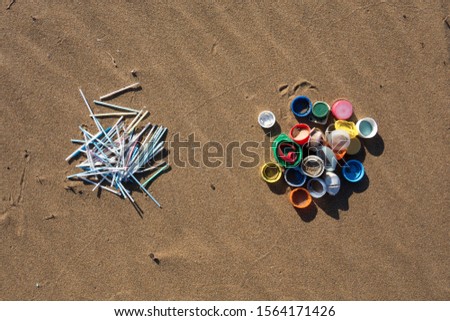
[(285, 140), (320, 109)]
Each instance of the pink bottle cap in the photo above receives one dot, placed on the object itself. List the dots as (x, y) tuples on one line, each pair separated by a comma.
[(342, 109)]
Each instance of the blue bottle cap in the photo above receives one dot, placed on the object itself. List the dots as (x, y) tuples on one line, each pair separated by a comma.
[(301, 106), (294, 176), (353, 171), (317, 187)]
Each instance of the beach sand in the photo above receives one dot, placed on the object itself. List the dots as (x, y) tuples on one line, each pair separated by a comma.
[(209, 68)]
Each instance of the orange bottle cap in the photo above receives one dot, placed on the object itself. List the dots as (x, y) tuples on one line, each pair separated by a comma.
[(300, 197)]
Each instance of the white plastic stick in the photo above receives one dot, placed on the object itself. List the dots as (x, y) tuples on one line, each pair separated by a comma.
[(134, 120), (81, 148), (139, 120), (101, 186), (114, 114), (102, 103), (121, 90)]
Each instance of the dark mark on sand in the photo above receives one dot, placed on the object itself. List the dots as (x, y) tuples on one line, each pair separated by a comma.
[(70, 188), (154, 258)]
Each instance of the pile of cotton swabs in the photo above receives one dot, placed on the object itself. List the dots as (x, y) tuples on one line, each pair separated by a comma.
[(116, 155)]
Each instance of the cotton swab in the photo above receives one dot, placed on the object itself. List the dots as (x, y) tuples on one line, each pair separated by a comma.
[(155, 175), (81, 148), (102, 103), (114, 114), (139, 120), (121, 90), (97, 123), (118, 155), (101, 186)]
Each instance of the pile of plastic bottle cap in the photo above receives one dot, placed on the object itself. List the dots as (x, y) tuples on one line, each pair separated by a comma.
[(323, 141)]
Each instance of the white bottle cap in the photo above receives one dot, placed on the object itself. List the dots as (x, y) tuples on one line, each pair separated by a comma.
[(312, 166), (333, 183), (367, 127), (338, 139), (317, 137), (266, 119)]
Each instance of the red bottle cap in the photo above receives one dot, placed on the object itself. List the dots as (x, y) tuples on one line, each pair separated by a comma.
[(300, 133)]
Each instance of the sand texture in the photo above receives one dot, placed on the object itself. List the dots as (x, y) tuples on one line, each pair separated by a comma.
[(210, 68)]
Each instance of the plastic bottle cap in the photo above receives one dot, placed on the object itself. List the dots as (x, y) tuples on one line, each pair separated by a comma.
[(286, 152), (313, 166), (353, 171), (317, 137), (354, 147), (339, 140), (342, 109), (328, 157), (300, 133), (329, 129), (301, 106), (333, 183), (317, 187), (348, 126), (367, 127), (300, 197), (266, 119), (320, 109), (294, 177), (271, 172), (340, 154)]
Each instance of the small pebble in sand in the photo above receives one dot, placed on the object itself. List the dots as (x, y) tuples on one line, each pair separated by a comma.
[(49, 217)]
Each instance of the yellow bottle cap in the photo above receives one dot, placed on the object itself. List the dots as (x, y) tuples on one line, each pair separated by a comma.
[(348, 126), (271, 172)]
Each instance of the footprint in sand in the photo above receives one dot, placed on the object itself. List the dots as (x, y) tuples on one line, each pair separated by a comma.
[(302, 86), (283, 89), (299, 87), (214, 48), (4, 220), (16, 202)]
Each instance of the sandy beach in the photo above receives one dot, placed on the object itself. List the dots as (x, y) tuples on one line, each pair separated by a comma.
[(209, 68)]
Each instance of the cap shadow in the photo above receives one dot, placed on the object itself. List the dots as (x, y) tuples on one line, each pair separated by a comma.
[(332, 205), (279, 187), (374, 145), (273, 131), (307, 214), (360, 155)]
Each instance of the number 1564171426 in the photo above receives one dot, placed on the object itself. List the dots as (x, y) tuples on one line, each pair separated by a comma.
[(295, 311)]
